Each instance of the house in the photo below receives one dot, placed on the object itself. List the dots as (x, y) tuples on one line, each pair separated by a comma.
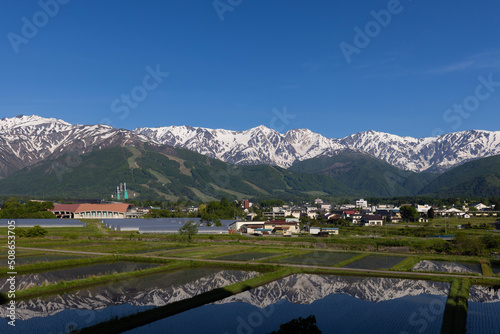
[(329, 230), (453, 212), (423, 209), (277, 213), (346, 214), (318, 201), (93, 211), (482, 207), (361, 203), (250, 228), (372, 220), (325, 207), (389, 216), (251, 216), (237, 225), (282, 226)]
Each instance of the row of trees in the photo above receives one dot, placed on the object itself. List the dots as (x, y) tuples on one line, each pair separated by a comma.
[(13, 209)]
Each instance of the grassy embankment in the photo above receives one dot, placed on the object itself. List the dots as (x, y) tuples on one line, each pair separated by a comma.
[(455, 313)]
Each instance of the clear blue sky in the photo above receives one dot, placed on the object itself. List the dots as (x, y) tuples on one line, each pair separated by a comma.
[(264, 55)]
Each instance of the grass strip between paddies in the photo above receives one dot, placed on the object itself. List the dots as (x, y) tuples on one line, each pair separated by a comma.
[(66, 286), (455, 312), (149, 316), (486, 268)]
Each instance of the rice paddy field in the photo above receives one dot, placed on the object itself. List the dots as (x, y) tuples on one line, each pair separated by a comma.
[(448, 267), (45, 258), (375, 262), (59, 313), (138, 261), (55, 276), (246, 256), (319, 258), (483, 315)]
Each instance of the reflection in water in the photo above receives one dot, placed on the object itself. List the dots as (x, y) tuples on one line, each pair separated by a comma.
[(69, 274), (101, 303), (340, 304), (447, 267), (483, 315)]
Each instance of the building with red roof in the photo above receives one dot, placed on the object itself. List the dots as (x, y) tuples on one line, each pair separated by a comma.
[(95, 211)]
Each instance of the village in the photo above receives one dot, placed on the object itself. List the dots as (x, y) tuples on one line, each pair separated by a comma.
[(315, 218)]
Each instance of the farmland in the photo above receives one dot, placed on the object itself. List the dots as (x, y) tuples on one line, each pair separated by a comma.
[(123, 257)]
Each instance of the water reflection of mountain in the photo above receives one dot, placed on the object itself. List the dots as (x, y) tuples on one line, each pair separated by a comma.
[(152, 290), (305, 289), (450, 267), (484, 294), (54, 276)]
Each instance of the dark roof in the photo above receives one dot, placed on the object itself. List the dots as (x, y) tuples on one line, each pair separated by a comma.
[(372, 217)]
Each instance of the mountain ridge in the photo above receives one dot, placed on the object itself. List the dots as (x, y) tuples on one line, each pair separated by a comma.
[(28, 140)]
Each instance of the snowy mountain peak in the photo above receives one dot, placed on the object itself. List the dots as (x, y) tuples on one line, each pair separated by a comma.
[(26, 140), (22, 121), (263, 145)]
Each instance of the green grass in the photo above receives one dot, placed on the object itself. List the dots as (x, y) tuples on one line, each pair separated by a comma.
[(486, 268), (66, 286), (407, 264), (455, 313)]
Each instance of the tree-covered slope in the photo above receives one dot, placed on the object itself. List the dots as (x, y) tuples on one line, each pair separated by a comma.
[(479, 178), (162, 172), (366, 175)]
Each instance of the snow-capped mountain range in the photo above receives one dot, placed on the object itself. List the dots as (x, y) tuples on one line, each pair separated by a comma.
[(297, 289), (27, 140), (135, 292), (306, 289)]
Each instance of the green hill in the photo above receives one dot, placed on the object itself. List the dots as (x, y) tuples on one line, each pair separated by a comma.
[(366, 175), (169, 173), (478, 178)]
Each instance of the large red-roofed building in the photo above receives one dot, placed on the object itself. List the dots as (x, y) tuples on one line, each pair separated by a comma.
[(95, 211)]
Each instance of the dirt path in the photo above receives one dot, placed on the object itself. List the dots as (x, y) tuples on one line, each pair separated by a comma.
[(101, 229)]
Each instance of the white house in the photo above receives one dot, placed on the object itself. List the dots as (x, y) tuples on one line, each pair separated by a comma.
[(361, 203)]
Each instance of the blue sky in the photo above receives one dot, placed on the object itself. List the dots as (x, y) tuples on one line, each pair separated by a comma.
[(236, 64)]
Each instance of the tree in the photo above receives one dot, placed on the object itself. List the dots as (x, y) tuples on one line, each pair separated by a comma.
[(430, 213), (13, 209), (299, 326), (210, 219), (35, 231), (408, 212), (189, 229)]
